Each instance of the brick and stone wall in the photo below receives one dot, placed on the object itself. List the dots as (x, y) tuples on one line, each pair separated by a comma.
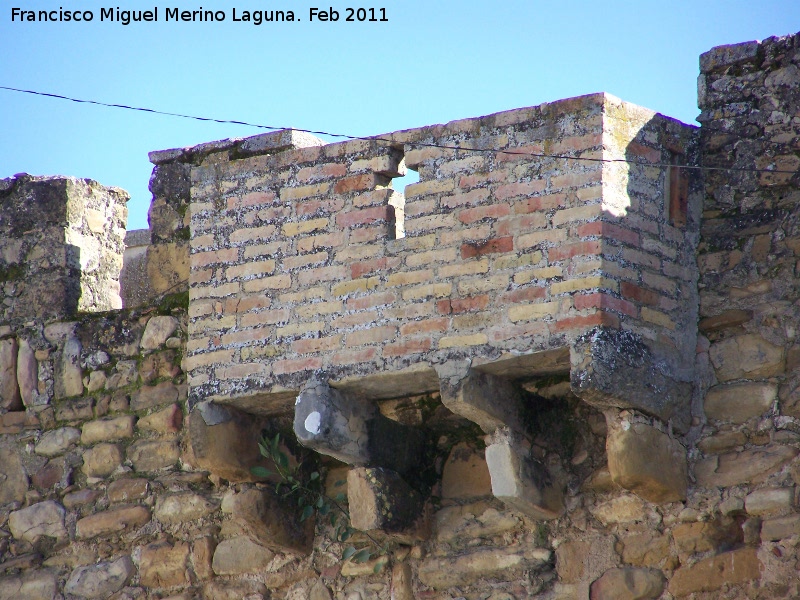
[(499, 367)]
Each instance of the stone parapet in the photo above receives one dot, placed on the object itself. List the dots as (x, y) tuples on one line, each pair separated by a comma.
[(61, 245)]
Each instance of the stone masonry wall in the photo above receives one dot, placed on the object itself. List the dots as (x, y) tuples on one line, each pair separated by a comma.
[(569, 291), (61, 243)]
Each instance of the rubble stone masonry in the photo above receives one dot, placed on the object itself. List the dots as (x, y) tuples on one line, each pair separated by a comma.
[(554, 368)]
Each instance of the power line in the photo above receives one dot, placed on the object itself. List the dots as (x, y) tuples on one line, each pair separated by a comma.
[(380, 139)]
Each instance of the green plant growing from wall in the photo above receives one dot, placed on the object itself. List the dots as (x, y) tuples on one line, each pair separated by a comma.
[(308, 492)]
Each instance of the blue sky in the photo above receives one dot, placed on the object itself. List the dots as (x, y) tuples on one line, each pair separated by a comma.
[(430, 63)]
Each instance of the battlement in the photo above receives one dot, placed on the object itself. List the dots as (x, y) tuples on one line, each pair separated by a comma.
[(304, 258)]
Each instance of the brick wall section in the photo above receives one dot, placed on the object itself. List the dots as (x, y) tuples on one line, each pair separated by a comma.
[(61, 246), (294, 267)]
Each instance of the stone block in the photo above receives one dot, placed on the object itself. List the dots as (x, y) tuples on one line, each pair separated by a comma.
[(519, 481), (164, 565), (157, 330), (202, 557), (123, 518), (27, 373), (455, 524), (234, 590), (41, 519), (617, 368), (490, 563), (647, 462), (13, 478), (770, 501), (621, 510), (738, 402), (379, 499), (69, 377), (100, 580), (152, 455), (628, 584), (127, 489), (488, 400), (147, 396), (465, 473), (584, 559), (711, 574), (645, 549), (704, 536), (225, 441), (746, 357), (167, 420), (750, 466), (240, 555), (167, 267), (101, 460), (354, 431), (780, 528), (269, 522), (183, 507), (32, 585), (107, 430), (10, 398), (58, 441)]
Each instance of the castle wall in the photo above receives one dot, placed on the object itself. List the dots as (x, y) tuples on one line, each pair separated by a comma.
[(523, 327)]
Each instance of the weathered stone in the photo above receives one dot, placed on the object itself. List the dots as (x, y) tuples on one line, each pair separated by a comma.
[(647, 462), (157, 330), (10, 398), (706, 535), (465, 473), (50, 475), (234, 590), (80, 499), (168, 266), (164, 565), (722, 442), (27, 373), (95, 382), (645, 549), (151, 455), (352, 430), (729, 318), (519, 481), (380, 499), (748, 466), (622, 509), (34, 585), (780, 528), (69, 378), (168, 420), (472, 521), (107, 430), (240, 555), (488, 400), (75, 409), (501, 563), (746, 357), (402, 583), (124, 374), (13, 479), (180, 508), (769, 501), (225, 441), (628, 584), (127, 489), (41, 519), (159, 365), (202, 556), (263, 518), (101, 460), (112, 521), (620, 369), (710, 574), (585, 559), (738, 402), (23, 562), (100, 580), (57, 441), (147, 396)]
